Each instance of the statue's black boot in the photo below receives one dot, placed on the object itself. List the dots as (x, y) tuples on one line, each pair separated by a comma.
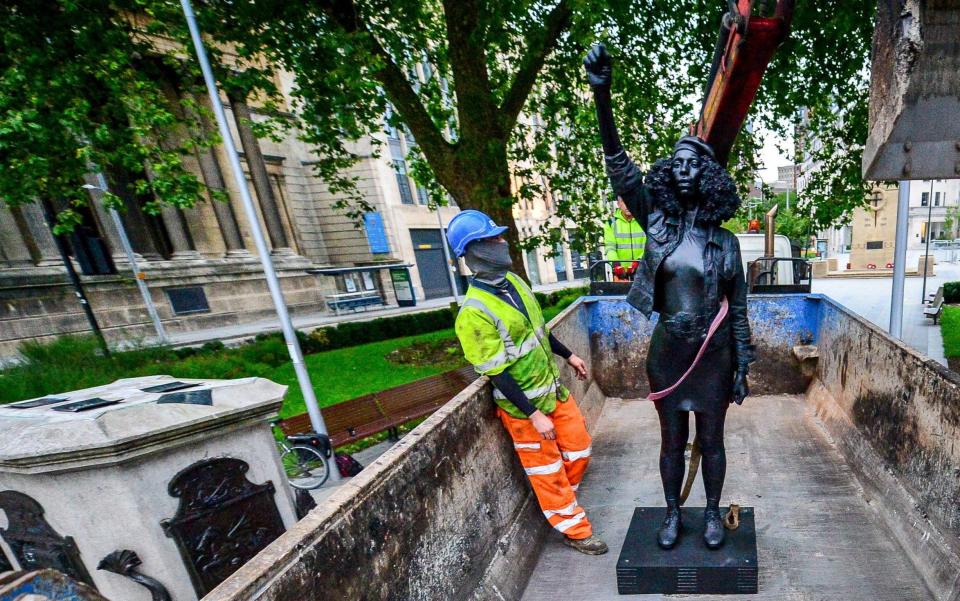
[(713, 531), (669, 530)]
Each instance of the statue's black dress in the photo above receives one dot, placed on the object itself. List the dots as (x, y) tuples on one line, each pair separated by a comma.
[(679, 293)]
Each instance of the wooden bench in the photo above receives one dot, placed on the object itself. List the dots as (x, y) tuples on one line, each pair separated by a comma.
[(386, 410), (346, 422), (935, 308), (423, 397)]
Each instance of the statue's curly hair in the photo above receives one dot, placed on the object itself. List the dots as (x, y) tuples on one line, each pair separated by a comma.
[(719, 200)]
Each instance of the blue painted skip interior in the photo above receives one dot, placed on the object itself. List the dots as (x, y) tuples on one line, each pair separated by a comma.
[(788, 319)]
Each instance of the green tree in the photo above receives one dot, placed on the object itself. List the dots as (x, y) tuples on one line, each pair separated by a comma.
[(78, 87), (489, 90)]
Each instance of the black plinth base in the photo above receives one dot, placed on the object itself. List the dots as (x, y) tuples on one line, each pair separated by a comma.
[(690, 567)]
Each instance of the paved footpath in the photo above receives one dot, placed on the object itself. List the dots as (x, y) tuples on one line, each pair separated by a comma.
[(870, 298), (306, 321)]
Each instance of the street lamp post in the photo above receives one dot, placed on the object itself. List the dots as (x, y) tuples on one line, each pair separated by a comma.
[(446, 256), (61, 244), (273, 283), (138, 275), (926, 257), (899, 260)]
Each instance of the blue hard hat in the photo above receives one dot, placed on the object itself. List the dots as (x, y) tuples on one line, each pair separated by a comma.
[(470, 225)]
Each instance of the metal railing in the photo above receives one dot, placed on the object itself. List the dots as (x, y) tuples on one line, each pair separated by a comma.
[(604, 283), (779, 275), (766, 275)]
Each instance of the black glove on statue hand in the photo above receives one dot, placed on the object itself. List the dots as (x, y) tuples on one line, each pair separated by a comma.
[(740, 387), (598, 66)]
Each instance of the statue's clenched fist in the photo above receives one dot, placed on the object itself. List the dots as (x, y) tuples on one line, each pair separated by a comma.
[(599, 66)]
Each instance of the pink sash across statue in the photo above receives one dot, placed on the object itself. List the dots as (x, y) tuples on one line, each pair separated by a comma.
[(721, 314)]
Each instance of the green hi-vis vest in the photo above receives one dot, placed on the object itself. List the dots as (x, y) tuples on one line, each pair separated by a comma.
[(495, 337), (624, 240)]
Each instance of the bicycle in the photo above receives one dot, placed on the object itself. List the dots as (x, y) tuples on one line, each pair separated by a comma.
[(305, 459)]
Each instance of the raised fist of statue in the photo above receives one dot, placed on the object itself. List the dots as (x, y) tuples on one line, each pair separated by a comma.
[(599, 66)]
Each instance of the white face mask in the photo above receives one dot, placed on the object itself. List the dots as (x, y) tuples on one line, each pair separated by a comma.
[(489, 261)]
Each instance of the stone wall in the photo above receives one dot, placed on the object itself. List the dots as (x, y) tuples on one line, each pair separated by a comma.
[(895, 415), (445, 514), (43, 306)]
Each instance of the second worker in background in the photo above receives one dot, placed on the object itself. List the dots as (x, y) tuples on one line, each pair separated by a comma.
[(623, 242)]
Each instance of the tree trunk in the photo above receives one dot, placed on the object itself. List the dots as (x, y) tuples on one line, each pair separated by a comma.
[(482, 182)]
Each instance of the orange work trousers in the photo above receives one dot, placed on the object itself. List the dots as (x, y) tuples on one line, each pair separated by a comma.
[(555, 467)]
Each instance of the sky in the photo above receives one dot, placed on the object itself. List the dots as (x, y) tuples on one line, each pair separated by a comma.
[(771, 158)]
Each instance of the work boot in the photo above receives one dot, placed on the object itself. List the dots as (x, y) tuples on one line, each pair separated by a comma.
[(591, 545), (669, 530), (713, 531)]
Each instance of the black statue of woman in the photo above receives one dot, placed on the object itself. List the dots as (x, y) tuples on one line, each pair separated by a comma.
[(689, 266)]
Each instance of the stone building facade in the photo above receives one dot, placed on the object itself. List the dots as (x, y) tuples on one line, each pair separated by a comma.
[(936, 201), (200, 263)]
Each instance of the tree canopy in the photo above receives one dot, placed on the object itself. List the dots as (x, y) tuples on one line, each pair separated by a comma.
[(493, 92)]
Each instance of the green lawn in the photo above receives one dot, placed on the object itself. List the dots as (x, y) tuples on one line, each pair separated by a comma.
[(950, 329), (73, 362), (347, 373)]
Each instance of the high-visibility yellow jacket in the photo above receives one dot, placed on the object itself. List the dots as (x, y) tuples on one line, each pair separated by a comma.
[(624, 240), (497, 337)]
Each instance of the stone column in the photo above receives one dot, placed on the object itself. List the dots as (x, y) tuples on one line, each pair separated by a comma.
[(47, 253), (176, 226), (107, 225), (14, 251), (134, 219), (213, 178), (261, 180)]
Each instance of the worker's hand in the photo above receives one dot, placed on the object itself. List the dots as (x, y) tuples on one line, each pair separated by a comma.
[(740, 387), (543, 424), (619, 271), (578, 366), (599, 67)]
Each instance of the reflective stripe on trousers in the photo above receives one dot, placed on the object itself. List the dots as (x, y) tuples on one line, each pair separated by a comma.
[(555, 468)]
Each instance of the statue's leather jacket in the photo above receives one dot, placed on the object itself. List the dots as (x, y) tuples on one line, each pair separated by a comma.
[(722, 265)]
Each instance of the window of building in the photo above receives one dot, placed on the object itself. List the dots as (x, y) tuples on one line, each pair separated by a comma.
[(924, 199), (406, 196), (875, 245), (422, 196), (936, 199)]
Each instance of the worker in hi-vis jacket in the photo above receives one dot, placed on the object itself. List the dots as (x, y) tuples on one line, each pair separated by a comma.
[(505, 337), (623, 241)]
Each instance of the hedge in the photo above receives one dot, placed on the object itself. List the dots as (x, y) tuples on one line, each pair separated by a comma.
[(352, 333), (951, 292)]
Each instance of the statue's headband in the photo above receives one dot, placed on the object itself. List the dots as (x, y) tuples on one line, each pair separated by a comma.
[(695, 144)]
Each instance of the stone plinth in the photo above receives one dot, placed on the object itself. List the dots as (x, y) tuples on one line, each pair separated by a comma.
[(926, 263), (103, 476), (819, 268)]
